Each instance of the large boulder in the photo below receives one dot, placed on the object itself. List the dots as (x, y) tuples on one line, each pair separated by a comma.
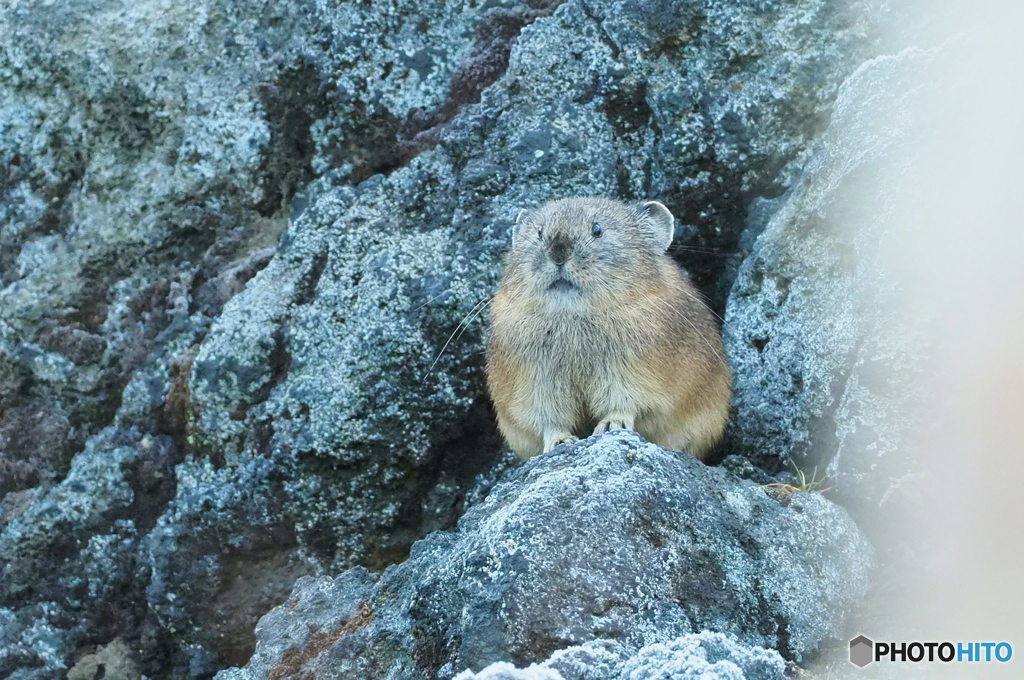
[(353, 171), (335, 359), (609, 539), (824, 358)]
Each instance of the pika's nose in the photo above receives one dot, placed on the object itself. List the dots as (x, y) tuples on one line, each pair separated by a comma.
[(559, 250)]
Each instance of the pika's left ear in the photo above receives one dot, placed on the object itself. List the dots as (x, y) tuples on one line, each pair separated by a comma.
[(659, 220)]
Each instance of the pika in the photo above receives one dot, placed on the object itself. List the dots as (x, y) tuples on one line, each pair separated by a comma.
[(594, 328)]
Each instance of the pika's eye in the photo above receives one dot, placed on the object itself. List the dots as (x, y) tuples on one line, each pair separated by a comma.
[(597, 230), (540, 233)]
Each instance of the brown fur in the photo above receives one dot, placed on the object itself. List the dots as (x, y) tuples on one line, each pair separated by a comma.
[(625, 341)]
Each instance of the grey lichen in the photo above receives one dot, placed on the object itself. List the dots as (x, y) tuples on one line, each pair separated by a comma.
[(235, 237)]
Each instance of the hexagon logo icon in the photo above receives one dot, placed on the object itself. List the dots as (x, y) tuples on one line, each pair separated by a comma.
[(861, 651)]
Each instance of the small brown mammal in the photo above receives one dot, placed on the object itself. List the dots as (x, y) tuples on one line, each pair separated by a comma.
[(594, 327)]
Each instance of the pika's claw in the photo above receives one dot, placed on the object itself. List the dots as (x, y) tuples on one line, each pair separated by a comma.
[(609, 424), (557, 439)]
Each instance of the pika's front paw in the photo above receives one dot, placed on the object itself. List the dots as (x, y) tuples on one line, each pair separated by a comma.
[(554, 440), (615, 423)]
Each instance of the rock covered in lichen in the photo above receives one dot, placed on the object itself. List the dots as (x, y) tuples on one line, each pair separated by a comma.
[(234, 238), (610, 539), (823, 359), (696, 656)]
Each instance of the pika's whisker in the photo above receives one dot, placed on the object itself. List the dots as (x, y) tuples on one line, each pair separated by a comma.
[(475, 316), (444, 292), (703, 251), (475, 312), (700, 301)]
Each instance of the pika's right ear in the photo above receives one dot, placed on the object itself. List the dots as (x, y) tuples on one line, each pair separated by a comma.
[(521, 219)]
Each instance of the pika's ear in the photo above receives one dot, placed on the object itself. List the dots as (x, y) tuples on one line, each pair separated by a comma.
[(660, 222), (521, 219)]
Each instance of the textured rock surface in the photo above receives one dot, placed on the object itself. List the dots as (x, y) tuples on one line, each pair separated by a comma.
[(234, 238), (611, 539), (323, 360), (698, 656), (821, 356), (131, 174)]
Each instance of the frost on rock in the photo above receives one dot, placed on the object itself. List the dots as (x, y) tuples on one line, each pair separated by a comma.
[(611, 539), (697, 656)]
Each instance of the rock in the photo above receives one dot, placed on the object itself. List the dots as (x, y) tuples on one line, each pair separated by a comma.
[(335, 358), (235, 237), (57, 605), (113, 661), (126, 159), (822, 359), (610, 539), (33, 437), (697, 656)]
